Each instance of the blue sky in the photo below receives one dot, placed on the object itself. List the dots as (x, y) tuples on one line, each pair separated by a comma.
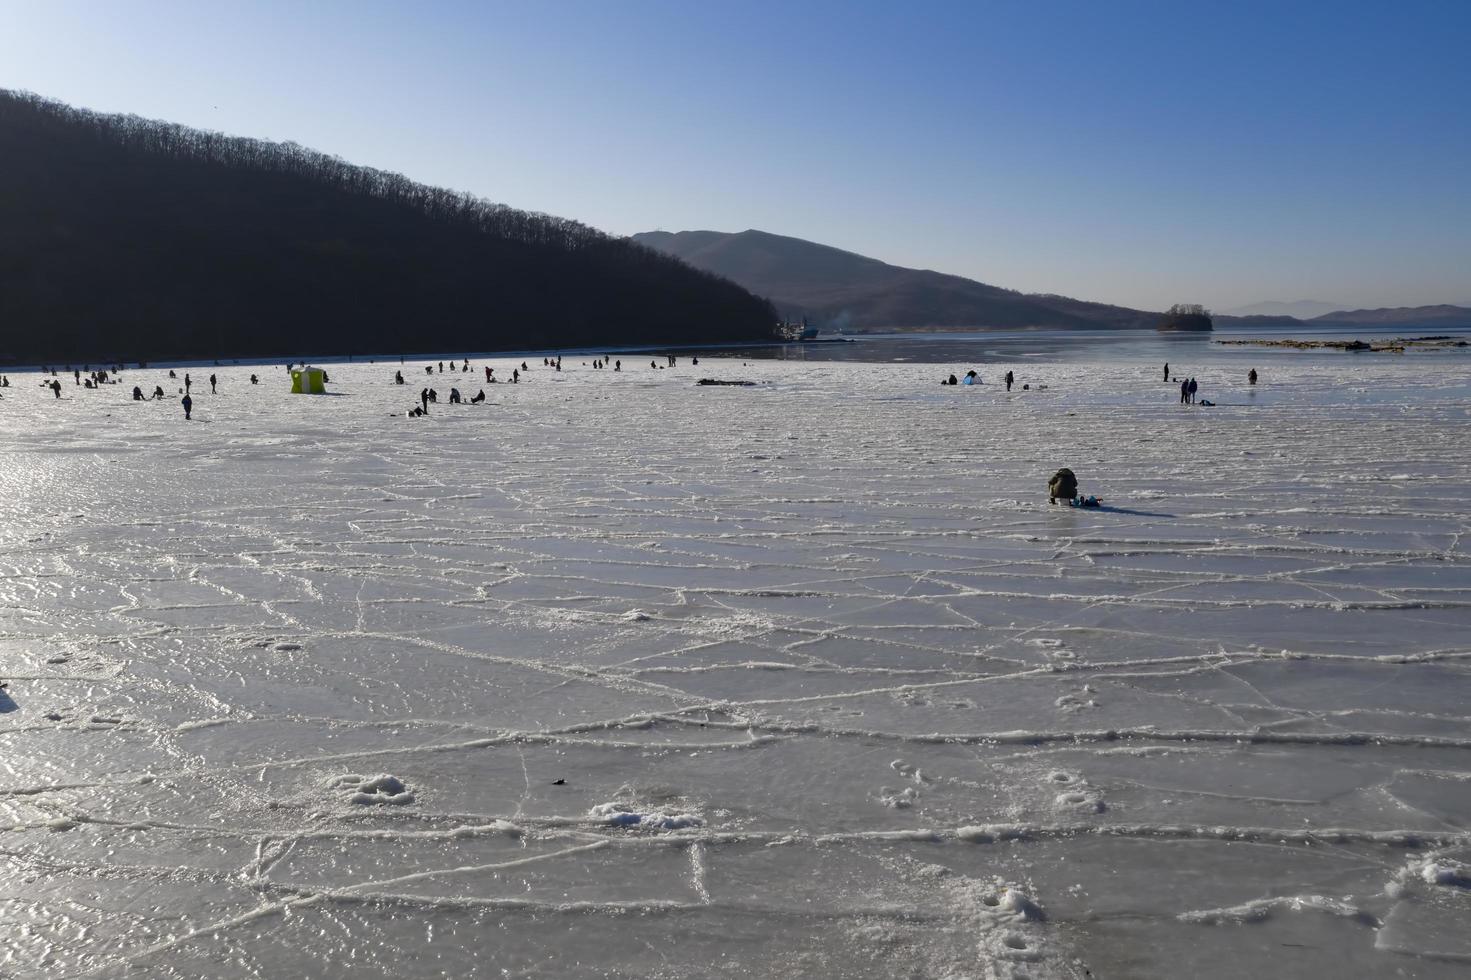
[(1139, 153)]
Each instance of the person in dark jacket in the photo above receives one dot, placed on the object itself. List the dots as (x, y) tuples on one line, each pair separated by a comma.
[(1193, 388), (188, 404), (1251, 376), (1184, 392), (1062, 486), (1009, 379)]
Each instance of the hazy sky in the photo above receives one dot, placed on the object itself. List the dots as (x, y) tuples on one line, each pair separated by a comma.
[(1139, 153)]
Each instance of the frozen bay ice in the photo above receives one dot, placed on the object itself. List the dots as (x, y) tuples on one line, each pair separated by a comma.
[(619, 676)]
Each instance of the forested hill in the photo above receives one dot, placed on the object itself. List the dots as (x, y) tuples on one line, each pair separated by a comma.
[(832, 287), (124, 238)]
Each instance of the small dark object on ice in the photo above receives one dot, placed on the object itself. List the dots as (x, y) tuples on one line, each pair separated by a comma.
[(559, 782), (736, 384)]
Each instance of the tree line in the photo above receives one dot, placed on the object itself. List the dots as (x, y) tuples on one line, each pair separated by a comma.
[(127, 238)]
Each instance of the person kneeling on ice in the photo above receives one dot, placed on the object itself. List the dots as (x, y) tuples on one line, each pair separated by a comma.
[(137, 393), (1062, 486), (454, 396), (478, 398), (971, 378)]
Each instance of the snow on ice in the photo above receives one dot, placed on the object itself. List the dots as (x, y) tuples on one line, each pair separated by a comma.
[(614, 675)]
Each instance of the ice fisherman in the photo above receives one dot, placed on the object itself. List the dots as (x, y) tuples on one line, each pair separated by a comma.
[(1009, 379), (1062, 486), (211, 384), (188, 404)]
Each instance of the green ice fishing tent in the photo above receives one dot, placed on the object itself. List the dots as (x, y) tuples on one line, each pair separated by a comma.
[(308, 381)]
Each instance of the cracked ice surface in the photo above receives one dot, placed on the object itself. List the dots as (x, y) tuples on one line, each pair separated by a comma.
[(615, 676)]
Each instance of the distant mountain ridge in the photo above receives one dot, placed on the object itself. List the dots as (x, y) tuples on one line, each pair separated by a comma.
[(835, 288), (1300, 309), (1441, 315)]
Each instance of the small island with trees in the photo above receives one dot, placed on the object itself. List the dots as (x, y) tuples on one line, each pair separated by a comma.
[(1186, 316)]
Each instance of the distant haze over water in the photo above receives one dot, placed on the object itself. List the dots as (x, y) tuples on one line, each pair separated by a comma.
[(1148, 346)]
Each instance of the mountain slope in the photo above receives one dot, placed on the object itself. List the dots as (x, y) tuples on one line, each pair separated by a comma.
[(834, 287), (1409, 316), (123, 238)]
